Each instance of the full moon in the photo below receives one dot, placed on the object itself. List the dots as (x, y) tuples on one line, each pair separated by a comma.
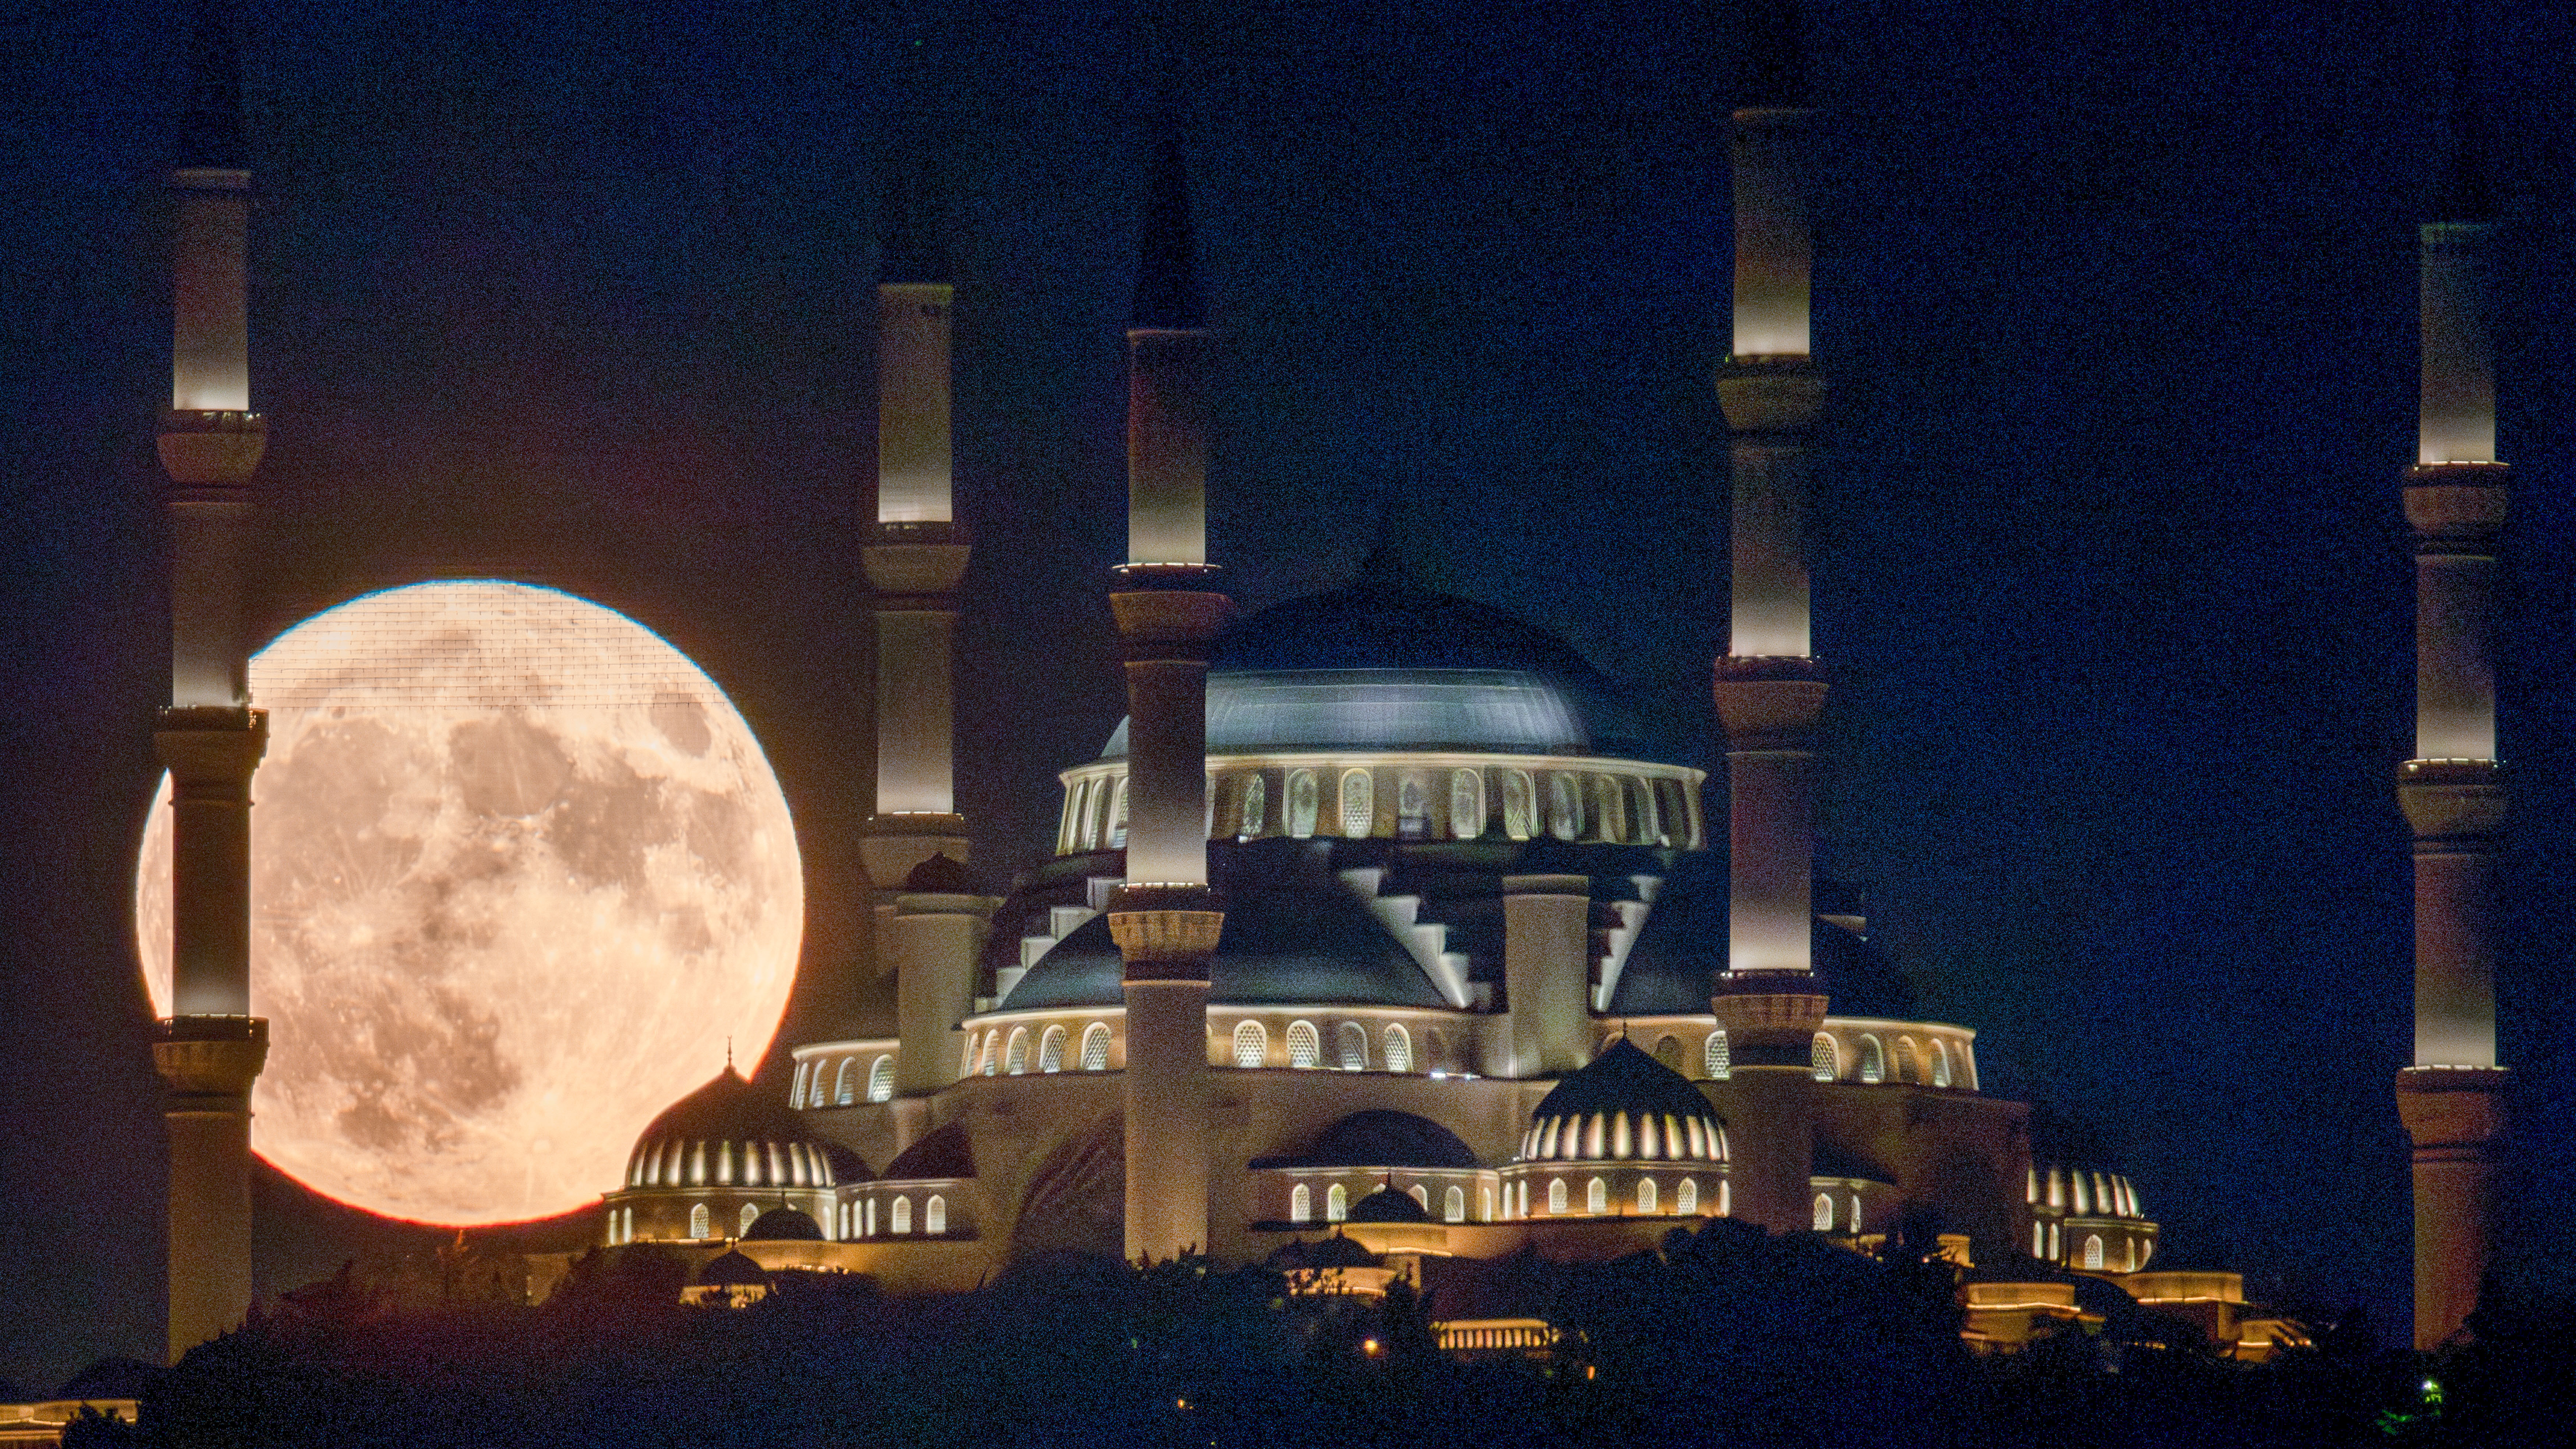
[(520, 873)]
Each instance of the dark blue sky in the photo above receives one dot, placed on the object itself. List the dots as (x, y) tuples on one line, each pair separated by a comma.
[(2119, 301)]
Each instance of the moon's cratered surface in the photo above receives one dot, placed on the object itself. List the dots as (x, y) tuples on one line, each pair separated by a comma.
[(519, 871)]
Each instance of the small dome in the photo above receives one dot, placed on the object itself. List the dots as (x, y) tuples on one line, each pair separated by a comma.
[(731, 1269), (943, 1154), (730, 1133), (2084, 1192), (1381, 1137), (1335, 1251), (1386, 1205), (783, 1224), (1625, 1105), (940, 876)]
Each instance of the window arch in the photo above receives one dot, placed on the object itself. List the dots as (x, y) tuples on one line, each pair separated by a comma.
[(1609, 812), (1466, 804), (2093, 1251), (1016, 1060), (1068, 837), (1646, 1197), (1940, 1063), (1412, 808), (1421, 1196), (701, 1222), (1096, 832), (1824, 1212), (1596, 1196), (1251, 1044), (1642, 825), (844, 1087), (1118, 814), (934, 1214), (1359, 804), (991, 1064), (899, 1218), (966, 1064), (1674, 809), (1821, 1057), (868, 1218), (1453, 1205), (1715, 1058), (1051, 1049), (1686, 1197), (881, 1079), (1095, 1047), (845, 1220), (1305, 1048), (1909, 1062), (1556, 1195), (1873, 1060), (1485, 1204), (1853, 1223), (1399, 1048), (750, 1215), (1302, 804), (1564, 807), (796, 1093), (1254, 813), (1520, 805), (1301, 1204), (1337, 1203), (1350, 1041)]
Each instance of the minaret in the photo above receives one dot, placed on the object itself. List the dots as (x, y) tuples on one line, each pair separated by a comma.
[(1169, 609), (2453, 793), (1769, 689), (915, 559), (211, 1049)]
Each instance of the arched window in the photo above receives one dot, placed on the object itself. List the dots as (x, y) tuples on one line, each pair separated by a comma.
[(881, 1079), (750, 1215), (1556, 1195), (1095, 1047), (1412, 808), (1337, 1204), (1302, 807), (1909, 1062), (1645, 829), (1255, 810), (845, 1220), (991, 1064), (966, 1065), (1351, 1042), (1453, 1205), (1821, 1057), (1854, 1221), (844, 1085), (1251, 1044), (1359, 804), (1485, 1204), (701, 1222), (796, 1093), (1051, 1049), (1399, 1048), (2128, 1245), (1715, 1058), (1609, 808), (1940, 1063), (1596, 1196), (2056, 1248), (1118, 814), (1564, 807), (1305, 1048), (1646, 1197), (1725, 1197), (1668, 1050), (1824, 1212), (1466, 804), (628, 1232), (1673, 808), (899, 1217), (2093, 1251), (2038, 1240), (934, 1214), (1016, 1060), (1873, 1060), (1421, 1196), (1520, 805), (1096, 835), (1686, 1197), (868, 1215), (1301, 1204)]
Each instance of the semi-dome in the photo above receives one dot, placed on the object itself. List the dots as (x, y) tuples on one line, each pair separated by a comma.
[(1386, 1205), (1381, 1137), (1625, 1105), (731, 1269), (1386, 665), (783, 1225), (730, 1133)]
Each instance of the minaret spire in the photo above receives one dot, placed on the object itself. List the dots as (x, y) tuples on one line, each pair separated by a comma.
[(2451, 1098), (1169, 609), (1768, 687), (210, 1051)]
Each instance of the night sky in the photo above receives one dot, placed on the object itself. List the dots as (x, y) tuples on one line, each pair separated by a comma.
[(2118, 300)]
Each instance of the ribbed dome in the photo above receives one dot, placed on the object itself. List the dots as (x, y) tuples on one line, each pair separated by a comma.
[(2084, 1192), (1384, 665), (730, 1133), (1625, 1105)]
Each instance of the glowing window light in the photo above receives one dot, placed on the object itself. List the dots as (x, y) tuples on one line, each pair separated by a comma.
[(1255, 807), (1564, 807), (1596, 1196), (1855, 1218), (1824, 1215), (1303, 804), (1821, 1059), (1352, 1040), (1359, 804), (2093, 1251), (1337, 1204), (1940, 1064), (1556, 1198), (796, 1093), (701, 1222), (1686, 1197), (1873, 1060), (1453, 1205), (844, 1089), (750, 1215), (1301, 1204), (1051, 1049), (899, 1217), (881, 1074), (1646, 1197), (1399, 1048), (1412, 808), (1717, 1059), (1305, 1046), (934, 1214), (1466, 804), (1095, 1047), (1015, 1060), (1251, 1044), (1520, 805)]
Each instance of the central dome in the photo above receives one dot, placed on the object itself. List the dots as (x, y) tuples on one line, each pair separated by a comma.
[(1385, 665)]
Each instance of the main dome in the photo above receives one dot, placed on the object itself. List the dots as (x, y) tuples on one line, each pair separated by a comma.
[(1387, 665)]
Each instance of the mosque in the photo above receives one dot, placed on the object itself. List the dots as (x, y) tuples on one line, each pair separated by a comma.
[(1378, 940)]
